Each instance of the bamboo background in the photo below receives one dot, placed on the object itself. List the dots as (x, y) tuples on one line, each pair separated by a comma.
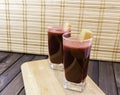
[(23, 24)]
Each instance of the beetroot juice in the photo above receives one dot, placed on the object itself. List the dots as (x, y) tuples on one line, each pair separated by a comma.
[(75, 58), (55, 44), (76, 61)]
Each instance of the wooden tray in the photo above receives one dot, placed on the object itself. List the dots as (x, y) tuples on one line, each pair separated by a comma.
[(40, 79)]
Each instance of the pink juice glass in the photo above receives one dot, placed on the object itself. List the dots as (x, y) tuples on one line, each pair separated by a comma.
[(55, 46), (75, 59)]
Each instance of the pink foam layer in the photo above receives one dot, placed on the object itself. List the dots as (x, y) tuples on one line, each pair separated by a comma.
[(76, 43), (56, 29)]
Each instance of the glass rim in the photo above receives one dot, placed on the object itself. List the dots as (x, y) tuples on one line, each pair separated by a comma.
[(90, 39), (54, 26)]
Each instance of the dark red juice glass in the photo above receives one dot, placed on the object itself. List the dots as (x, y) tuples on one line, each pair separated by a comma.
[(75, 58), (55, 46)]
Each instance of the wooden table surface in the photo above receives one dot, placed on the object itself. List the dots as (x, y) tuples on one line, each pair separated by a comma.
[(105, 74)]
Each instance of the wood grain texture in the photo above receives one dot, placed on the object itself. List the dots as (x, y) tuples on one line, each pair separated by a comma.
[(39, 57), (8, 77), (93, 71), (106, 78), (10, 73), (3, 55), (39, 77), (22, 92), (10, 60), (117, 75), (15, 84)]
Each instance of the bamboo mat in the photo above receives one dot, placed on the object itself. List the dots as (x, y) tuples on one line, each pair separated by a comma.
[(23, 24)]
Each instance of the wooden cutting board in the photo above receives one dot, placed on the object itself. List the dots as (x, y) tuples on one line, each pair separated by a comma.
[(40, 79)]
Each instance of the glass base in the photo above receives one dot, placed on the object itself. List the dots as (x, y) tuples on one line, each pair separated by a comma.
[(74, 86), (57, 66)]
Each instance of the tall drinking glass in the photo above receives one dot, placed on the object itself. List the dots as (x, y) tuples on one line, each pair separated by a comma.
[(55, 46), (75, 59)]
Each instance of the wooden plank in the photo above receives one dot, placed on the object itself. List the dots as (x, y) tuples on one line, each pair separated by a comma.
[(3, 55), (14, 86), (10, 73), (106, 78), (39, 77), (39, 57), (39, 81), (93, 71), (117, 75), (9, 61), (22, 92)]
